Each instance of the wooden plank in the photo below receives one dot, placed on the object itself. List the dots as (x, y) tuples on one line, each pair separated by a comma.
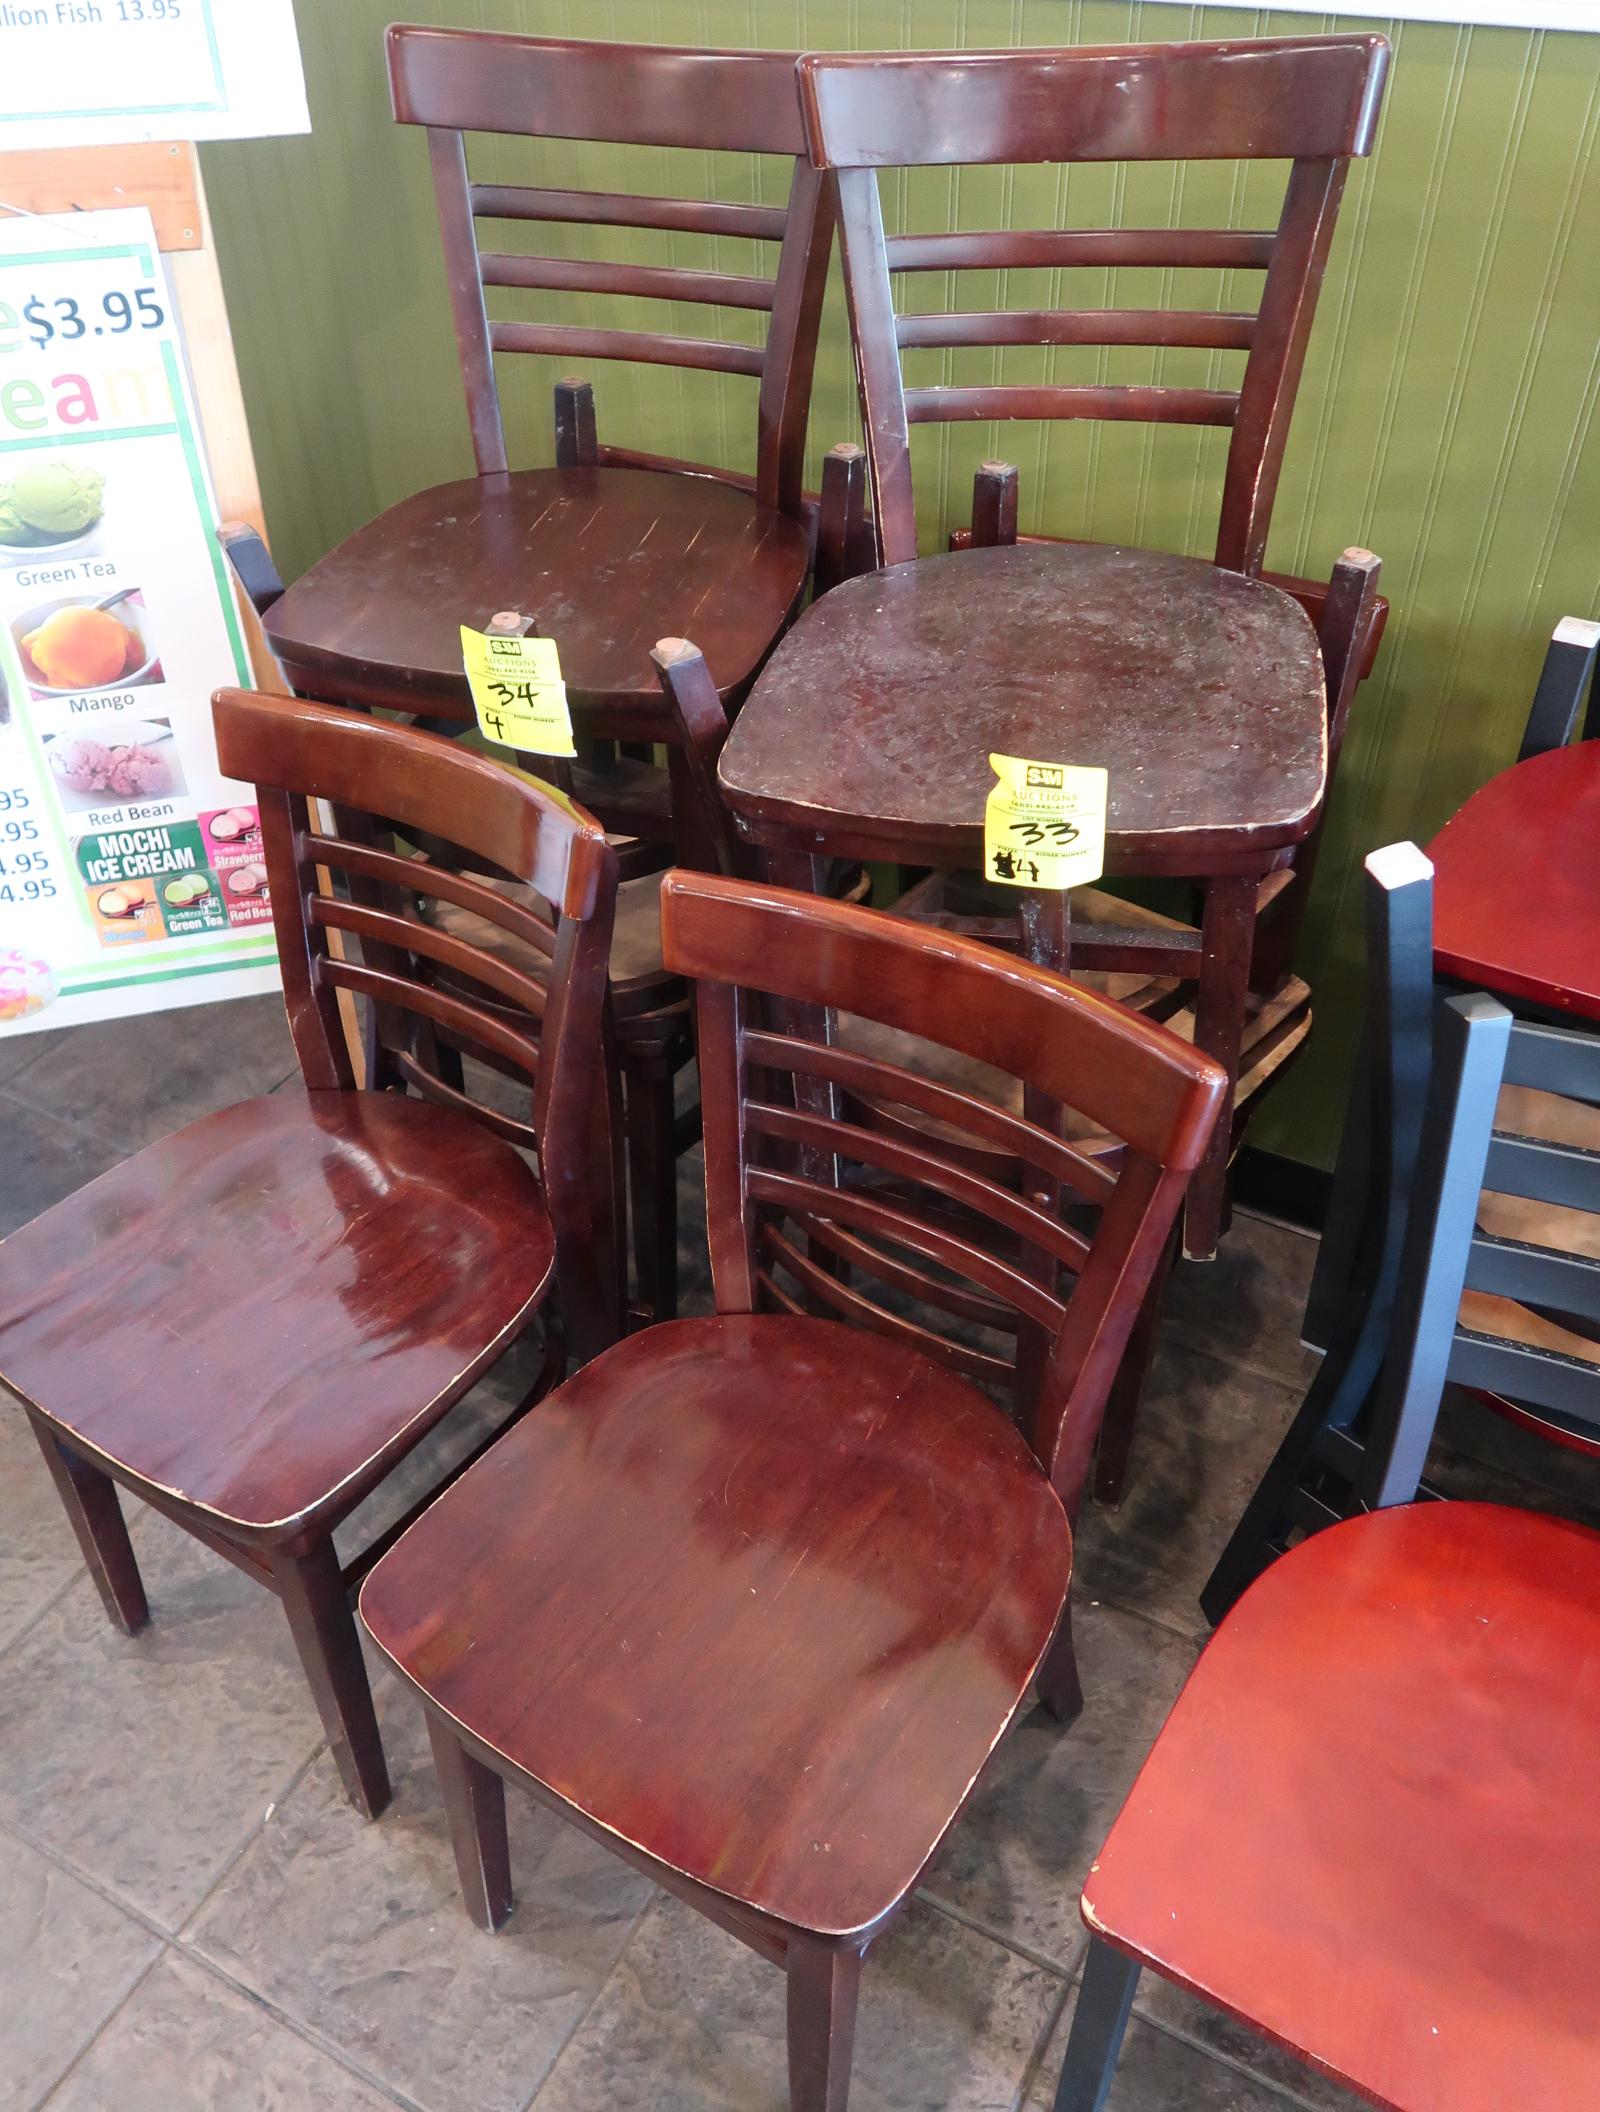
[(162, 174)]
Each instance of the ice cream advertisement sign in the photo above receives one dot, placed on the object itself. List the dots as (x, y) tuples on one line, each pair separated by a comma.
[(130, 868)]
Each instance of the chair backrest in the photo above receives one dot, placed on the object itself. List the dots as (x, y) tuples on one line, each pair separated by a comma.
[(1565, 679), (1516, 1316), (810, 1209), (456, 81), (386, 785), (1311, 101)]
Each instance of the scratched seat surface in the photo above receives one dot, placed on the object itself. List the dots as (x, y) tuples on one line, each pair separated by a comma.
[(606, 561)]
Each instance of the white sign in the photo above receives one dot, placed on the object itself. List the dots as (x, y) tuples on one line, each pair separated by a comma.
[(87, 73), (131, 875)]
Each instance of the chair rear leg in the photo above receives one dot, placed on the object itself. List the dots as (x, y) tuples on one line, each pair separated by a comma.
[(1121, 1418), (475, 1806), (1105, 1999), (653, 1189), (1057, 1681), (323, 1625), (89, 1499), (824, 1981)]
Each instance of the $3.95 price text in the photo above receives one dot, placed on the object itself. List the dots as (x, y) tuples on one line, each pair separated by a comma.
[(47, 318)]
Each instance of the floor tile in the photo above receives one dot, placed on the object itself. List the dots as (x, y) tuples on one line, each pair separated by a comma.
[(1018, 1855), (38, 1555), (133, 1080), (187, 2043), (1159, 2073), (1195, 2020), (1206, 1433), (17, 1051), (1246, 1306), (359, 1932), (67, 1959), (147, 1761), (47, 1158), (691, 2021)]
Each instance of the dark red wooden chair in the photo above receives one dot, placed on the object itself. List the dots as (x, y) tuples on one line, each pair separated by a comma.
[(251, 1322), (752, 1598), (1366, 1829), (1311, 102), (609, 548)]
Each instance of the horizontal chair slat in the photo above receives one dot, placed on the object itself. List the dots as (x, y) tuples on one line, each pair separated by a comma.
[(424, 878), (1543, 1173), (1539, 1378), (801, 1197), (850, 1304), (1080, 326), (1146, 405), (988, 1124), (902, 1275), (1535, 1276), (412, 936), (926, 1168), (646, 347), (686, 216), (436, 1005), (650, 282), (434, 1088), (1204, 249)]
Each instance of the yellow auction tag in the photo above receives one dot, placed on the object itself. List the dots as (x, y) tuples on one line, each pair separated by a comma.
[(1044, 824), (517, 691)]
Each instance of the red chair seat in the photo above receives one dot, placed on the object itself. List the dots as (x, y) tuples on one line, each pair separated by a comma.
[(1369, 1828), (758, 1595), (261, 1313), (606, 560)]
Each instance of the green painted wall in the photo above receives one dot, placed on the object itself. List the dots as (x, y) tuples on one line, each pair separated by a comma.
[(1447, 419)]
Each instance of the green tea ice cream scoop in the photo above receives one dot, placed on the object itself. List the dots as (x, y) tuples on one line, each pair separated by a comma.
[(47, 501)]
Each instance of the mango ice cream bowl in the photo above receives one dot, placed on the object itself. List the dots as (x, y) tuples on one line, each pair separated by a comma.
[(138, 665)]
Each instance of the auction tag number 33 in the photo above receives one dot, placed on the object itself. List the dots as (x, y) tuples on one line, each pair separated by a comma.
[(1044, 824)]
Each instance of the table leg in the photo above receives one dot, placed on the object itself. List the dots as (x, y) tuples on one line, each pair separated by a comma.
[(1227, 937)]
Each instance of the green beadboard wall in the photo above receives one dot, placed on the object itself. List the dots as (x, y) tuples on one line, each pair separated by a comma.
[(1446, 421)]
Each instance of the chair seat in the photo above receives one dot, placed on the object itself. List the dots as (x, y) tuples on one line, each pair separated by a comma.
[(733, 1594), (259, 1314), (607, 561), (1369, 1829), (1200, 692)]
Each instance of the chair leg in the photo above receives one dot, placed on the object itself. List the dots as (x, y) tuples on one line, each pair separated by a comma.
[(475, 1806), (653, 1190), (89, 1499), (824, 1981), (1121, 1418), (1227, 936), (325, 1634), (1098, 2023), (1057, 1681)]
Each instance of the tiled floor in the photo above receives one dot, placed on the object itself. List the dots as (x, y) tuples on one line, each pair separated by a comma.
[(192, 1920)]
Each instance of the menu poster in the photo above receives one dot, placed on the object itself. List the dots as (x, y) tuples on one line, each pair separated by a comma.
[(88, 73), (131, 874)]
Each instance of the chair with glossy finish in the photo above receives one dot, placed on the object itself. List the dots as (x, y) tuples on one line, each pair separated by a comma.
[(606, 550), (251, 1322), (1206, 672), (752, 1598), (1375, 1870)]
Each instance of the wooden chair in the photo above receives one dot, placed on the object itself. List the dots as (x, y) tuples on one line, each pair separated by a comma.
[(1526, 1311), (251, 1322), (753, 1597), (1375, 1869), (1310, 101), (648, 1009), (610, 547)]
